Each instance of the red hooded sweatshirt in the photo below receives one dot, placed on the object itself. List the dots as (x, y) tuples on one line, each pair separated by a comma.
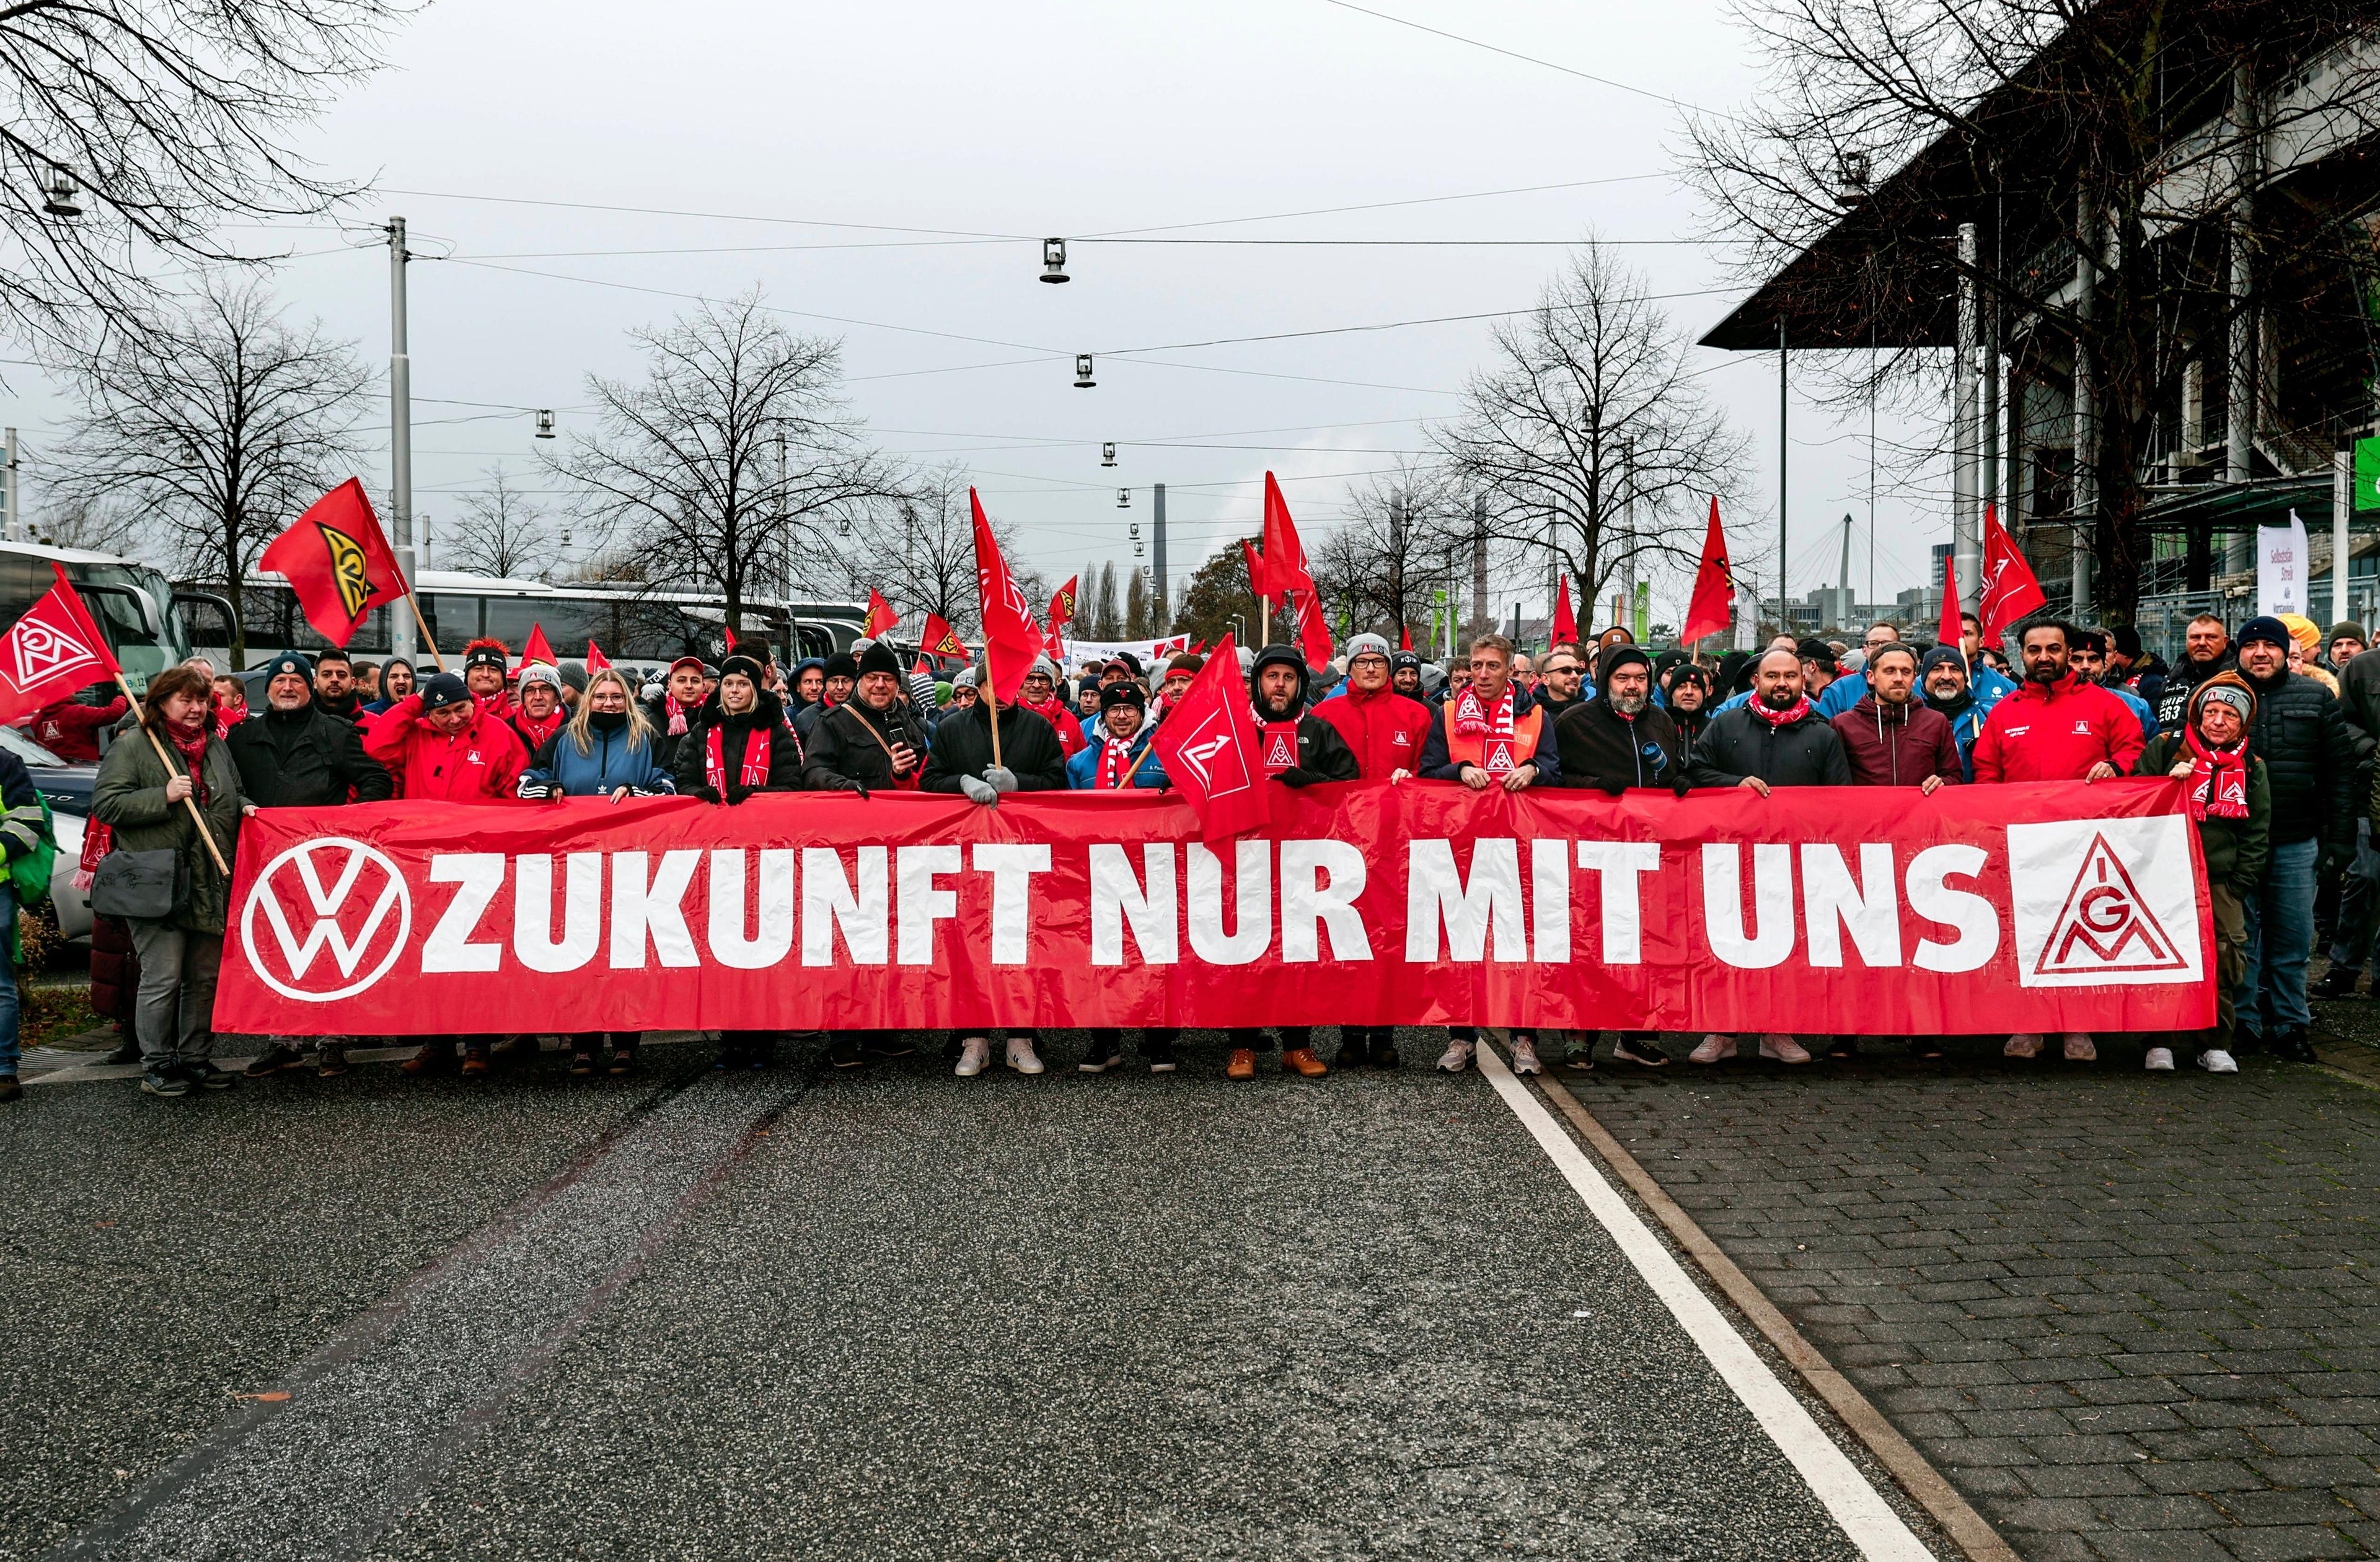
[(478, 763), (72, 731), (2056, 732), (1384, 728)]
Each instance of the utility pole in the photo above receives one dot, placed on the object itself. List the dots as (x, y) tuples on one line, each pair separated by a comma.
[(2082, 535), (1480, 619), (1163, 615), (16, 518), (1783, 613), (400, 434), (1628, 530), (1966, 519)]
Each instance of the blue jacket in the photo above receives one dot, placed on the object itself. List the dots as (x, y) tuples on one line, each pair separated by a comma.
[(1083, 769), (608, 765)]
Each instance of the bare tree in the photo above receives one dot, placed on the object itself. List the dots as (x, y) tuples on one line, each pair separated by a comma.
[(1104, 622), (2131, 237), (1407, 534), (1137, 622), (504, 533), (222, 421), (130, 127), (1587, 442), (734, 466), (917, 546), (95, 523)]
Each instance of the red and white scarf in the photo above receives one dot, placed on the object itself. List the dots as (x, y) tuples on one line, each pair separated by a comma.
[(1115, 761), (536, 730), (755, 760), (677, 710), (1491, 725), (1784, 717), (228, 717), (2218, 779)]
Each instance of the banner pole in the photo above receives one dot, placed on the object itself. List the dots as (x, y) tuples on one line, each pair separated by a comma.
[(427, 638), (167, 760), (994, 699)]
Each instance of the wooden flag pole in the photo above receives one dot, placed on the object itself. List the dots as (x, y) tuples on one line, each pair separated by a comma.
[(427, 638), (993, 700), (167, 760)]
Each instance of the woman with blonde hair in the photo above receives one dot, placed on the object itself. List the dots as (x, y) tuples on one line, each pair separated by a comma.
[(606, 750)]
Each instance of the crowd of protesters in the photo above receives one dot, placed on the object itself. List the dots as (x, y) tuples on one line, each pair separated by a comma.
[(2271, 727)]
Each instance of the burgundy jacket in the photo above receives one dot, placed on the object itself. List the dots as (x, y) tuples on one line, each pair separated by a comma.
[(1898, 745)]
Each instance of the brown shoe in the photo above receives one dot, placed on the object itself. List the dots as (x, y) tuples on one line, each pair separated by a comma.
[(1243, 1064), (475, 1063), (1303, 1061), (624, 1061), (331, 1062), (435, 1058)]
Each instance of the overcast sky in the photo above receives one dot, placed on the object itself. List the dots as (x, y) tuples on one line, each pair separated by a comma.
[(804, 133)]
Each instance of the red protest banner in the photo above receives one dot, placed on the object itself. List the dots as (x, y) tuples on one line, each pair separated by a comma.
[(2034, 907)]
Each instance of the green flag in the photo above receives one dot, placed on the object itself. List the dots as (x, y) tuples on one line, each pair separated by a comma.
[(2367, 475)]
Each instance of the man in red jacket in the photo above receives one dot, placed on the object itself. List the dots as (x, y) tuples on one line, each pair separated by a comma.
[(1890, 737), (70, 729), (1387, 731), (1384, 728), (2056, 727)]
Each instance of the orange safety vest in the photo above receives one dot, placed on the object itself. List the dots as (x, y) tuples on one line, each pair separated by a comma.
[(1505, 755)]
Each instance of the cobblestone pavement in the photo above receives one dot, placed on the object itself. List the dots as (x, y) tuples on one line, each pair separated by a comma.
[(2127, 1315)]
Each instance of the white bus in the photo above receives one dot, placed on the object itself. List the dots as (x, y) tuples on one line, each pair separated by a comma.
[(147, 621), (643, 630)]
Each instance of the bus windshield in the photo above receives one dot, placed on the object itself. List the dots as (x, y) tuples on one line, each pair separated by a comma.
[(133, 606)]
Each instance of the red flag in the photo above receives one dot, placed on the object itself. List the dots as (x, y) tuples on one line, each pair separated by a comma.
[(337, 563), (922, 670), (1258, 586), (1062, 614), (1405, 631), (1713, 606), (880, 616), (1287, 575), (730, 633), (1010, 639), (1565, 620), (536, 649), (1951, 632), (1198, 649), (1208, 742), (940, 639), (2010, 591), (53, 652), (596, 661)]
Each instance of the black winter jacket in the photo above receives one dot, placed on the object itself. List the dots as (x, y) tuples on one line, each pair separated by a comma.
[(736, 736), (1028, 747), (665, 746), (304, 758), (1739, 743), (844, 752), (1322, 753), (2172, 702), (2308, 747), (1603, 749)]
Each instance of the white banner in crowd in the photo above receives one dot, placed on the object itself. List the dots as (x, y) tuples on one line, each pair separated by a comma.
[(1148, 651), (2281, 568)]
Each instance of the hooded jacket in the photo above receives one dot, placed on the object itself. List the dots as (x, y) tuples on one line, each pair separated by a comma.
[(1899, 745), (1322, 754), (1602, 748), (305, 758), (2171, 701), (1739, 742), (2056, 732), (1384, 730), (70, 729), (735, 730), (850, 747), (479, 763), (1028, 747)]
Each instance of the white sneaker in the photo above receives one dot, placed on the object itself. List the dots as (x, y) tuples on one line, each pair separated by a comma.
[(2027, 1044), (1456, 1058), (1524, 1058), (975, 1051), (1783, 1049), (1021, 1056), (2159, 1060), (1716, 1047), (2079, 1048), (2215, 1061)]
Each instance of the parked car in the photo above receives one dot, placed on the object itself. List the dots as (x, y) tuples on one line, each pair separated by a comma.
[(65, 784)]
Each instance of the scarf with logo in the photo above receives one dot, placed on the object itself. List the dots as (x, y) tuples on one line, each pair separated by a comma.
[(1784, 717), (754, 772), (1279, 739), (1474, 718), (2218, 779), (229, 716), (1115, 760)]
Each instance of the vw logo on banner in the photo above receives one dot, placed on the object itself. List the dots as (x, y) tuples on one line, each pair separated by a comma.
[(336, 915)]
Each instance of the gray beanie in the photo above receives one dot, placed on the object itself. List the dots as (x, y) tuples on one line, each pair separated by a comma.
[(965, 679), (1367, 644), (541, 673)]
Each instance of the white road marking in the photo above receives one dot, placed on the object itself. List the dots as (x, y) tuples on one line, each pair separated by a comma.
[(1854, 1502)]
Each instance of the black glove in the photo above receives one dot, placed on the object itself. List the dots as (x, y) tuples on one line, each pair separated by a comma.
[(739, 793), (708, 792), (1680, 786), (1611, 786), (1296, 777), (861, 790)]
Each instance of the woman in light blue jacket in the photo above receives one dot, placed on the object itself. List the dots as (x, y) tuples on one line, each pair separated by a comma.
[(605, 750)]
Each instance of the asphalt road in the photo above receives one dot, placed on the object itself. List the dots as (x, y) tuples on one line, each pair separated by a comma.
[(888, 1314)]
